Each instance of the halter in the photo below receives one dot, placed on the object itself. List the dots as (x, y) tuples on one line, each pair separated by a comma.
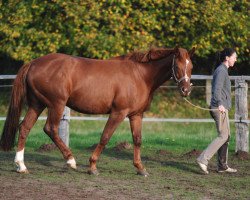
[(185, 77)]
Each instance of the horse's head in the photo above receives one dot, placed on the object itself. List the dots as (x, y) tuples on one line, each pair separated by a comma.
[(181, 70)]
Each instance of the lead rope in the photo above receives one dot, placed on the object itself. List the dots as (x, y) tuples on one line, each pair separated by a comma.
[(209, 109)]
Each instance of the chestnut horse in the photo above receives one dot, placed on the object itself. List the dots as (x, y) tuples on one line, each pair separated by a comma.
[(122, 87)]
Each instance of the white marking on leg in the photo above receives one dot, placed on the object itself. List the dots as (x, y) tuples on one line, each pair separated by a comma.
[(72, 163), (19, 160), (19, 156)]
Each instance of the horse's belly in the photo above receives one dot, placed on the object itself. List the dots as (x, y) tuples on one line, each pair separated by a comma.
[(90, 104), (89, 109)]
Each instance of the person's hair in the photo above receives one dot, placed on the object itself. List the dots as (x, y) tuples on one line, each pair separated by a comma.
[(221, 55)]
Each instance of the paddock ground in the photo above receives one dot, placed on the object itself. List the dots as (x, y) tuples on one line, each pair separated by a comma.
[(172, 176)]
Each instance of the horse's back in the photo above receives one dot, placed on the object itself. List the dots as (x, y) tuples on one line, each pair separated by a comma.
[(86, 85)]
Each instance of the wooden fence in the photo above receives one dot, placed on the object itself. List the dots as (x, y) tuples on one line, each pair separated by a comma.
[(241, 112)]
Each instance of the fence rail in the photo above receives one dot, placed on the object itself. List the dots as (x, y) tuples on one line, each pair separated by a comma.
[(194, 77), (145, 119), (7, 76)]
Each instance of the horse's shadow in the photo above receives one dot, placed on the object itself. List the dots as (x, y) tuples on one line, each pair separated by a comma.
[(36, 157), (169, 162), (47, 160), (181, 166)]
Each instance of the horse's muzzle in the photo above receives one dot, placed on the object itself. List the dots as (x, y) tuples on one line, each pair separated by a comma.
[(185, 90)]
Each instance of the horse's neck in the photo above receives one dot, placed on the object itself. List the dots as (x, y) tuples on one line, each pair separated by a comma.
[(158, 71)]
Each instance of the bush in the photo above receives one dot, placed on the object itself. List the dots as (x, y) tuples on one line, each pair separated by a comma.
[(102, 29)]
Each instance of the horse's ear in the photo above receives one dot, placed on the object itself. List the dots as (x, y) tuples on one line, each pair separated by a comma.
[(191, 52), (176, 51), (146, 57)]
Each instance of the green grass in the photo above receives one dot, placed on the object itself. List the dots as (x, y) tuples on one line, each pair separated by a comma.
[(175, 137)]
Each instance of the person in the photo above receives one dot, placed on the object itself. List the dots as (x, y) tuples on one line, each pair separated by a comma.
[(220, 104)]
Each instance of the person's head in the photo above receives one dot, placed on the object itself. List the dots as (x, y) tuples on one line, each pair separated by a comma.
[(228, 56)]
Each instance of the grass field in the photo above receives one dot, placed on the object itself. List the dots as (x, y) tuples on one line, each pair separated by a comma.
[(165, 153)]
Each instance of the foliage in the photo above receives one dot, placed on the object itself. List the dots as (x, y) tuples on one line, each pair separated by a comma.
[(106, 28)]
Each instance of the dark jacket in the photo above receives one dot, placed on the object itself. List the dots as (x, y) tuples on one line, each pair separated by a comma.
[(221, 88)]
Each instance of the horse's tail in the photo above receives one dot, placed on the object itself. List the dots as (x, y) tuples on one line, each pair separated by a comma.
[(15, 109)]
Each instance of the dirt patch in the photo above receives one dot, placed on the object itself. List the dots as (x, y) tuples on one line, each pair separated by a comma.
[(164, 152), (123, 145), (47, 147), (192, 153), (26, 188), (92, 148), (119, 146), (242, 155)]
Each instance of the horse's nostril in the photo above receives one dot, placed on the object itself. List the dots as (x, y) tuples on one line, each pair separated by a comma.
[(184, 89)]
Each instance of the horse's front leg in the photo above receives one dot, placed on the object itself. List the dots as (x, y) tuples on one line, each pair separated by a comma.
[(114, 120), (136, 126)]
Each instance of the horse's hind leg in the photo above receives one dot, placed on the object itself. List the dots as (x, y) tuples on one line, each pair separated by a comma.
[(51, 129), (114, 120), (136, 124), (25, 127)]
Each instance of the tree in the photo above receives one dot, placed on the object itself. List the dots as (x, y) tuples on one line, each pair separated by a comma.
[(106, 28)]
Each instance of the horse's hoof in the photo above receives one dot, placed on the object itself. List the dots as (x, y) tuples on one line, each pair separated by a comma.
[(21, 168), (93, 172), (69, 166), (143, 173), (71, 163), (24, 171)]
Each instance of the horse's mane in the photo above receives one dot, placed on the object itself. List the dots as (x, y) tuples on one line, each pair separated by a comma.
[(144, 57)]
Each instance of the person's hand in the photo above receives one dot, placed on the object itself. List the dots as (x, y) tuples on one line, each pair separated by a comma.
[(221, 108)]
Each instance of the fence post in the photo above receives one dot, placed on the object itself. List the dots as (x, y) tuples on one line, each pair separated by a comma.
[(64, 126), (241, 113), (208, 91)]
